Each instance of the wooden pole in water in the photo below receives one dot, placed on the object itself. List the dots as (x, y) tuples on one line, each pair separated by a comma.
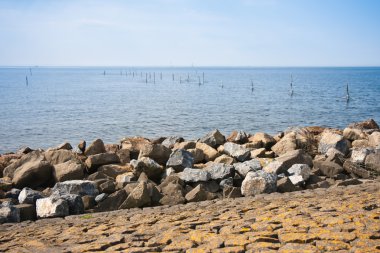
[(30, 71), (188, 77), (173, 77), (161, 75), (26, 80), (104, 73), (199, 80), (203, 77), (146, 77), (154, 77)]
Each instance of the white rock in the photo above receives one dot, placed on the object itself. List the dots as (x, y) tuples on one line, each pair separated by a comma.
[(52, 207)]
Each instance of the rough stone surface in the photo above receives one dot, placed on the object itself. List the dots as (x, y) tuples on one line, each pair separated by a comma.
[(32, 174), (284, 162), (74, 202), (197, 194), (209, 152), (59, 156), (238, 137), (353, 134), (157, 152), (52, 207), (367, 124), (9, 213), (213, 139), (194, 175), (112, 202), (93, 162), (171, 141), (286, 144), (198, 155), (219, 171), (70, 170), (358, 155), (285, 185), (372, 162), (344, 219), (78, 187), (96, 147), (237, 151), (333, 140), (264, 139), (258, 182), (225, 159), (247, 166), (329, 169), (356, 169), (28, 158), (299, 173), (139, 197), (374, 139), (28, 196), (124, 179), (180, 159)]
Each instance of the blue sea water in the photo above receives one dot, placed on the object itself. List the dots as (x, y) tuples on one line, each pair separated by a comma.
[(69, 104)]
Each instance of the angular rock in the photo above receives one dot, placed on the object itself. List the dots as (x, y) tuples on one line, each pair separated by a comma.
[(88, 202), (29, 196), (154, 194), (247, 166), (197, 194), (77, 187), (96, 147), (284, 162), (329, 169), (82, 146), (286, 144), (113, 170), (112, 202), (259, 182), (237, 151), (210, 186), (219, 171), (134, 145), (260, 152), (225, 159), (124, 179), (197, 154), (238, 137), (75, 203), (180, 159), (226, 182), (65, 145), (93, 162), (151, 168), (171, 141), (367, 124), (266, 140), (356, 169), (299, 173), (27, 211), (32, 157), (333, 140), (124, 156), (32, 174), (13, 193), (194, 175), (209, 152), (358, 155), (335, 156), (184, 145), (157, 152), (372, 162), (139, 197), (70, 170), (108, 187), (360, 144), (285, 185), (52, 207), (374, 139), (231, 192), (9, 213), (353, 134), (213, 139), (101, 197)]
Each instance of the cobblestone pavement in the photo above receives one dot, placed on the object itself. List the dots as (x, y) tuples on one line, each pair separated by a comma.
[(338, 219)]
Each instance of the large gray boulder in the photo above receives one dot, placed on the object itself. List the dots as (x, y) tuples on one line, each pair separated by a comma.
[(213, 139), (258, 182), (333, 140), (372, 162), (358, 155), (53, 206), (299, 173), (78, 187), (237, 151), (284, 162), (29, 196), (70, 170), (194, 175), (75, 203), (112, 202), (93, 162), (151, 168), (157, 152), (96, 147), (180, 159), (9, 213), (139, 197), (173, 190), (219, 171), (247, 166), (239, 137)]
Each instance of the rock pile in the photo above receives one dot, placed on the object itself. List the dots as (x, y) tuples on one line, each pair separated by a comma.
[(140, 172)]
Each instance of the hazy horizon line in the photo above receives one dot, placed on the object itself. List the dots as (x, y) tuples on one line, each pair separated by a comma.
[(189, 66)]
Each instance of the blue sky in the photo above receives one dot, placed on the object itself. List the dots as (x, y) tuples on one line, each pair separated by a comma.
[(181, 33)]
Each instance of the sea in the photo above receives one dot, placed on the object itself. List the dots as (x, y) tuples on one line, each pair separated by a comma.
[(42, 107)]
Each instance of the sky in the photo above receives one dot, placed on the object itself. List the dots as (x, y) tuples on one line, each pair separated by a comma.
[(190, 32)]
